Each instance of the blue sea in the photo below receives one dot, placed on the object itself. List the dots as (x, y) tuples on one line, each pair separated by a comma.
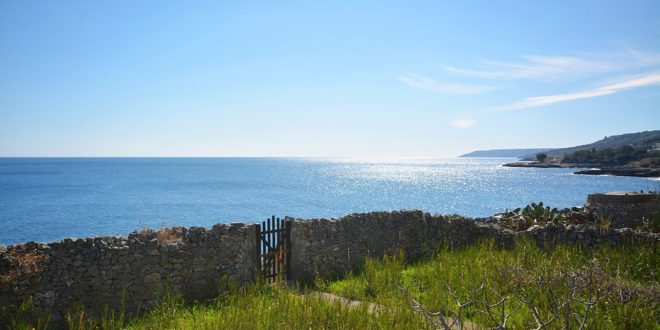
[(46, 199)]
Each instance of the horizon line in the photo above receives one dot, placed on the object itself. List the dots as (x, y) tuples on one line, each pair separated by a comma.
[(262, 157)]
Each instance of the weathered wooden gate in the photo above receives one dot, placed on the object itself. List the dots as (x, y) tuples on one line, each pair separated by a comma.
[(273, 248)]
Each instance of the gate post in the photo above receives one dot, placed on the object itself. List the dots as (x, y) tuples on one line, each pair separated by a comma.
[(257, 235), (287, 241)]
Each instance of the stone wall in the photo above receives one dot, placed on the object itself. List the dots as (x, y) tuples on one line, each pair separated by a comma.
[(126, 273), (625, 209), (333, 247), (330, 248)]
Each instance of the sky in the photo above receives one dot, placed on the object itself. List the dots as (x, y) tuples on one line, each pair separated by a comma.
[(323, 79)]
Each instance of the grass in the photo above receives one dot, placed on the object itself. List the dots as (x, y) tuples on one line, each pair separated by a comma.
[(621, 282), (258, 307), (614, 288)]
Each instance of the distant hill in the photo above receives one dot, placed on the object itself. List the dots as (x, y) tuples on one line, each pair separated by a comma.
[(512, 153), (614, 141)]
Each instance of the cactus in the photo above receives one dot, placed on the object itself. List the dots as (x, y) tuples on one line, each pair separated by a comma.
[(532, 214)]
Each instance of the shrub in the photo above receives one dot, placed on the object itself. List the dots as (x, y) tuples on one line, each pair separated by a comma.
[(541, 157)]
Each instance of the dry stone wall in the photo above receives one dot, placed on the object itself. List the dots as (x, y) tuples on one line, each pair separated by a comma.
[(625, 209), (330, 248), (333, 247), (127, 273)]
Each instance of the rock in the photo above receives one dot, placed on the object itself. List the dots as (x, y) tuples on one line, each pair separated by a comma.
[(624, 171), (153, 243), (152, 278), (152, 247), (172, 247), (49, 295), (78, 261)]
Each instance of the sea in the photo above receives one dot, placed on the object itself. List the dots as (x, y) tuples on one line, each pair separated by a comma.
[(48, 199)]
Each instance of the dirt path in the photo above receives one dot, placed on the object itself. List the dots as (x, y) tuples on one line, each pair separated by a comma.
[(332, 298), (371, 307)]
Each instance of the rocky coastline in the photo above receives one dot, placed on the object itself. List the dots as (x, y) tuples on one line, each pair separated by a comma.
[(594, 168), (624, 171)]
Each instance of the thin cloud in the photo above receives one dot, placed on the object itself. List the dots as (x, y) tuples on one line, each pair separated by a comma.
[(548, 68), (462, 122), (643, 59), (430, 84), (649, 79)]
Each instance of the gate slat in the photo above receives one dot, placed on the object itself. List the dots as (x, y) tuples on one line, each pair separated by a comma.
[(268, 240), (278, 265), (272, 239)]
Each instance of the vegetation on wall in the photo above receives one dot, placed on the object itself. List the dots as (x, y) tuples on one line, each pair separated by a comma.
[(521, 219)]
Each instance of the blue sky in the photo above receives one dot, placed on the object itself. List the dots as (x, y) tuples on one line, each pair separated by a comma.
[(340, 79)]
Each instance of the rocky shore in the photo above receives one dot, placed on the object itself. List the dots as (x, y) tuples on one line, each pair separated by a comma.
[(595, 169), (624, 171), (534, 164)]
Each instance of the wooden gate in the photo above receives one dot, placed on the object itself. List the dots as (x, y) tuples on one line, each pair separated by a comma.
[(273, 248)]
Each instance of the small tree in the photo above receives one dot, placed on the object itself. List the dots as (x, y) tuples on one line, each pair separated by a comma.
[(541, 157)]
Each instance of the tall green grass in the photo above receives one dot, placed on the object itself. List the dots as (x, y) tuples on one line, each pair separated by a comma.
[(527, 279), (259, 307)]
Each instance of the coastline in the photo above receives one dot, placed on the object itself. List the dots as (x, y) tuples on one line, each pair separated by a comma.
[(595, 169)]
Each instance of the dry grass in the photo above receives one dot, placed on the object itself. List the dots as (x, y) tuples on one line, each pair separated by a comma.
[(21, 262), (169, 235), (163, 234)]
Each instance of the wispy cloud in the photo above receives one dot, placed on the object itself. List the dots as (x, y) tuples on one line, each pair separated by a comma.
[(549, 68), (582, 67), (462, 122), (430, 84), (649, 79), (641, 58), (534, 67)]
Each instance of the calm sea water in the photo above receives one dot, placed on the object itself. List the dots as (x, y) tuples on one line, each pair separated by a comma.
[(45, 199)]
